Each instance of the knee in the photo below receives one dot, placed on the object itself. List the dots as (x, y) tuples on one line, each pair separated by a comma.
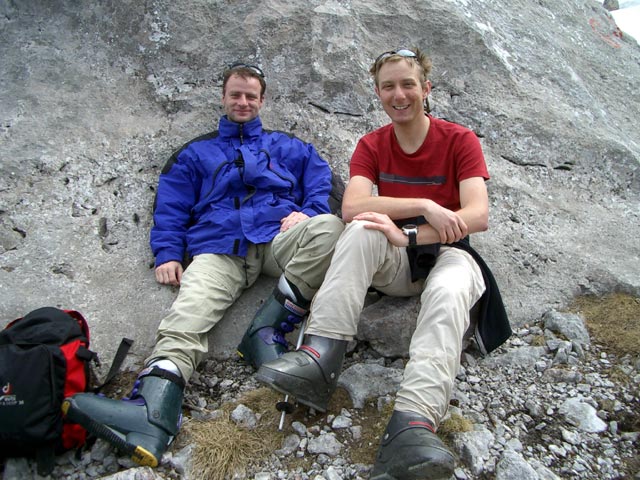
[(333, 224), (450, 296), (358, 233), (328, 226)]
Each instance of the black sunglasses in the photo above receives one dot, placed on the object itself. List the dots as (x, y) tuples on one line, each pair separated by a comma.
[(403, 52), (257, 70)]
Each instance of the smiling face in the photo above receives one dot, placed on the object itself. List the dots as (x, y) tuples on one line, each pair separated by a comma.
[(242, 98), (401, 92)]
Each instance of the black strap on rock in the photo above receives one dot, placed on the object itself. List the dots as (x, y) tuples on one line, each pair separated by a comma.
[(118, 359)]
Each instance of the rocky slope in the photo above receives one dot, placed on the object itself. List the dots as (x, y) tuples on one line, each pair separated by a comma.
[(550, 404), (96, 96)]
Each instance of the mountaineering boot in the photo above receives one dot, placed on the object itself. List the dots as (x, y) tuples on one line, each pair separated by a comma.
[(142, 425), (265, 340), (310, 374), (410, 450)]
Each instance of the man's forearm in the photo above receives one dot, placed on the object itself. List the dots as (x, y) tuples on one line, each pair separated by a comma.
[(395, 208)]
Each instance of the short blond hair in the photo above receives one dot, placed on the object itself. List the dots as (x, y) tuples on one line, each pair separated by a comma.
[(421, 60)]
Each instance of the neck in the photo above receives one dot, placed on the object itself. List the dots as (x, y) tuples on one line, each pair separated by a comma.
[(411, 135)]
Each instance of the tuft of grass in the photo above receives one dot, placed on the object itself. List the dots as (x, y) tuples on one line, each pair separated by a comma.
[(612, 320), (223, 449), (538, 341), (455, 423), (263, 401)]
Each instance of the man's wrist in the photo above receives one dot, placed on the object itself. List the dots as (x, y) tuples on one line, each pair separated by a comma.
[(411, 232)]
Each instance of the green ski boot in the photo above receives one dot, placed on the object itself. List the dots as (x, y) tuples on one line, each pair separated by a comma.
[(141, 426), (310, 374), (265, 339), (410, 450)]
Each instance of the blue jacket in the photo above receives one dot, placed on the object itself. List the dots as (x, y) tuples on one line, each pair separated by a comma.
[(227, 189)]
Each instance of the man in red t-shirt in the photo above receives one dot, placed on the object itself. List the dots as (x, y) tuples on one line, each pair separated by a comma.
[(430, 175)]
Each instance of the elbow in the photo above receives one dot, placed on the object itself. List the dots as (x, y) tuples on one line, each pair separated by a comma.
[(347, 217), (483, 223), (348, 212)]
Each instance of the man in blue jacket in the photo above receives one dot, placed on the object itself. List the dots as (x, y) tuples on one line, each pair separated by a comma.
[(238, 202)]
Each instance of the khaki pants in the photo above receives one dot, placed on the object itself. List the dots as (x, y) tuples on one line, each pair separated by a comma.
[(212, 283), (365, 258)]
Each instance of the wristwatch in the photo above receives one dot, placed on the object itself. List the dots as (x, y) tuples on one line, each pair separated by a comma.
[(411, 231)]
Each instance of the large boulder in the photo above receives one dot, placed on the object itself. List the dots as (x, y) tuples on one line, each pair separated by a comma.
[(97, 95)]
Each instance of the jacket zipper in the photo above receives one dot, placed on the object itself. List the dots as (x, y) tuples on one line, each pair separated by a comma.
[(283, 177)]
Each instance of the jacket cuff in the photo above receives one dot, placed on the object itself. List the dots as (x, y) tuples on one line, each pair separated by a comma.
[(164, 257)]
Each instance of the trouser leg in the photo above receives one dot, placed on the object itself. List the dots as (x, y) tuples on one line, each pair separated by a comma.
[(303, 253), (300, 256), (311, 373), (409, 448), (454, 285), (362, 257), (210, 285)]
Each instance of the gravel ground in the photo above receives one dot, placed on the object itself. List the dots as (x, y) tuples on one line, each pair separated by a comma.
[(541, 407)]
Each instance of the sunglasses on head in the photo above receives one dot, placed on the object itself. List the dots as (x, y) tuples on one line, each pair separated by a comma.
[(253, 68), (403, 52)]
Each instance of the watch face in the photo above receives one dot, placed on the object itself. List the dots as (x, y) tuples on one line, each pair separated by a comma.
[(410, 228)]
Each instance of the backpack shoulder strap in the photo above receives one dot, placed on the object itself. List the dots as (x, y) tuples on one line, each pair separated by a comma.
[(45, 459), (118, 359)]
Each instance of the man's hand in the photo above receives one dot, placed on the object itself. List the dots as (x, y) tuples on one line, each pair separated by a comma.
[(169, 273), (292, 219), (382, 222), (449, 225)]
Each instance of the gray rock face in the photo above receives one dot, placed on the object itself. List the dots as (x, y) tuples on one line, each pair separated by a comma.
[(96, 96)]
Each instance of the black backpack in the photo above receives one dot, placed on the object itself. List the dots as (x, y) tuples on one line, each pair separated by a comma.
[(44, 357)]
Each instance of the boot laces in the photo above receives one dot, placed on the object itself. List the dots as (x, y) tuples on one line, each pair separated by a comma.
[(278, 337), (288, 325), (134, 391)]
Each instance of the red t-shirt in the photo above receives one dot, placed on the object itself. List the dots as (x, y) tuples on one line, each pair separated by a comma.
[(450, 153)]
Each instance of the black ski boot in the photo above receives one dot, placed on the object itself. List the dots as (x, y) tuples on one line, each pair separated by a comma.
[(410, 450), (265, 339), (310, 374), (141, 426)]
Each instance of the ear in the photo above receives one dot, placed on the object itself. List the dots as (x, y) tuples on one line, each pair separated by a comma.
[(426, 89), (377, 90)]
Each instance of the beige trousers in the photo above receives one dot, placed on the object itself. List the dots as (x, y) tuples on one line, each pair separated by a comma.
[(364, 258), (212, 283)]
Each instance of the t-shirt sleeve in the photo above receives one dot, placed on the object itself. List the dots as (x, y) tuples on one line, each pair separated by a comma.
[(470, 159), (364, 162)]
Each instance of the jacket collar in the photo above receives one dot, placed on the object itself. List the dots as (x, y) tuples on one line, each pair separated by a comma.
[(248, 130)]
